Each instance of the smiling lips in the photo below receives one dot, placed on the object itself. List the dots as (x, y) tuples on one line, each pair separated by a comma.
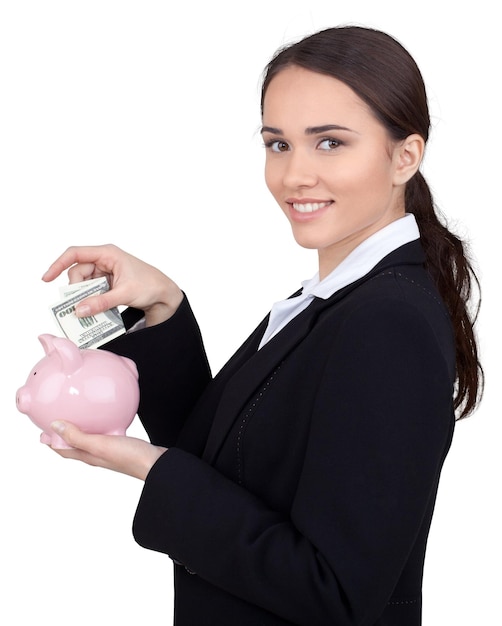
[(309, 207)]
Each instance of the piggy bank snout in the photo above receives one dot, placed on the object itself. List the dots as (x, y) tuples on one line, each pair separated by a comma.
[(23, 399)]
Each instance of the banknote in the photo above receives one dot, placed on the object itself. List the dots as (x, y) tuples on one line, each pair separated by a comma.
[(68, 290), (91, 331)]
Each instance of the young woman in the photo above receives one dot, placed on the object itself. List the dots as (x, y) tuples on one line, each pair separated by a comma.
[(297, 486)]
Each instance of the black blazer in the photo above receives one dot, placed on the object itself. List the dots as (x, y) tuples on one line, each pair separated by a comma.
[(300, 482)]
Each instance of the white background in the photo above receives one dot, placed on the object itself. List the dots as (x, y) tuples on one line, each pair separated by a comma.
[(136, 123)]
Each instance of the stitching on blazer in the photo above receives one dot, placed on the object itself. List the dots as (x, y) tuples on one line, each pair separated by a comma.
[(245, 421), (394, 602), (412, 282)]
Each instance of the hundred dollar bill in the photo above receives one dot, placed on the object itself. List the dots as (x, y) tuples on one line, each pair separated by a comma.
[(68, 290), (92, 331)]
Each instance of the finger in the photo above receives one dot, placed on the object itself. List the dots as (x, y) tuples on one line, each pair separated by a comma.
[(101, 256), (63, 262), (83, 446), (83, 271), (72, 435)]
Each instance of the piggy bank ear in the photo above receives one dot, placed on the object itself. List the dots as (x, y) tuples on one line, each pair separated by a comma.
[(70, 356), (47, 342)]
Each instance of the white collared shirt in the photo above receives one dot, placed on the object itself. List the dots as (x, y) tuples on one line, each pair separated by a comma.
[(356, 265)]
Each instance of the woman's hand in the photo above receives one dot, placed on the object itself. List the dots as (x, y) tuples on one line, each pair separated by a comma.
[(132, 282), (126, 455)]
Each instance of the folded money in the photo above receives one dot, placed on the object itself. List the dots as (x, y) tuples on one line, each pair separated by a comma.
[(91, 331)]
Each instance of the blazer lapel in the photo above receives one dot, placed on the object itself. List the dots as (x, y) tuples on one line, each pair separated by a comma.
[(253, 368)]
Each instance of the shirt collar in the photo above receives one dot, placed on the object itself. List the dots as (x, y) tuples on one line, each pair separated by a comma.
[(364, 257), (356, 265)]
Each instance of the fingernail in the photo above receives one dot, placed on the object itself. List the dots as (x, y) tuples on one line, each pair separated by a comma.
[(58, 427), (82, 310)]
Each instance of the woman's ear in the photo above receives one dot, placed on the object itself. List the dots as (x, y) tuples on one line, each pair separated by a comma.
[(408, 156)]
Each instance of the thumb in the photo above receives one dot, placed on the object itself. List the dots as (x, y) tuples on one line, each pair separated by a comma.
[(68, 432), (95, 304)]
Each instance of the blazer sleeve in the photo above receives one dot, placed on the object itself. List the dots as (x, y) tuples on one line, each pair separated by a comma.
[(173, 370), (380, 429)]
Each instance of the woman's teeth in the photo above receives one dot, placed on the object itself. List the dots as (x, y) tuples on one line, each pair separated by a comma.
[(309, 207)]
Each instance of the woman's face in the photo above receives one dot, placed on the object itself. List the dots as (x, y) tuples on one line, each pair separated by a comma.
[(330, 163)]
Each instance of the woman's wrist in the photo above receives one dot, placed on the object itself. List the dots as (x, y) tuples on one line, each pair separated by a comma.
[(166, 306), (155, 452)]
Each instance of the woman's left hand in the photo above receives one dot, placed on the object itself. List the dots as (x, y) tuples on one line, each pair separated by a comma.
[(127, 455)]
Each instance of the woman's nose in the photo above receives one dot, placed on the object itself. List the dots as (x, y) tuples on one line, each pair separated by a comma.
[(299, 171)]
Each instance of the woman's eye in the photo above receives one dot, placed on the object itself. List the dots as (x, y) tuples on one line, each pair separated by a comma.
[(329, 144), (277, 145)]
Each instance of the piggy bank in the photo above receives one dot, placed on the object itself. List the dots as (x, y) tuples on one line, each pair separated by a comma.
[(96, 390)]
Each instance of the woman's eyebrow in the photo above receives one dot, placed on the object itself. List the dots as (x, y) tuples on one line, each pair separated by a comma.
[(310, 130), (271, 129), (316, 130)]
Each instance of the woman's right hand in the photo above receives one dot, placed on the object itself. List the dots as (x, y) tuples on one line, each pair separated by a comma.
[(132, 282)]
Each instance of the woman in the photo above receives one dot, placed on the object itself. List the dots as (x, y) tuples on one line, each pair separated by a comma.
[(297, 486)]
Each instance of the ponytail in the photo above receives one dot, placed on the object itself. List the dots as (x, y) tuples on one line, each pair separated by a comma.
[(450, 268)]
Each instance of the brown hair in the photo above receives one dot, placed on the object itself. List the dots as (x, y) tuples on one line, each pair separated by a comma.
[(383, 74)]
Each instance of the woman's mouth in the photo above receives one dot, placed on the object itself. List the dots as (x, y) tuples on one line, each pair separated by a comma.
[(309, 207)]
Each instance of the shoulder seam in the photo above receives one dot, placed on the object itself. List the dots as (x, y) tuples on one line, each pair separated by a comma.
[(415, 284)]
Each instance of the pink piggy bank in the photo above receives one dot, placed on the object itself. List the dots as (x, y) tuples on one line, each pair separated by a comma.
[(96, 390)]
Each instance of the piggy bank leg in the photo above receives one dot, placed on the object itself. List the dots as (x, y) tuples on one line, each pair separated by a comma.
[(55, 441)]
